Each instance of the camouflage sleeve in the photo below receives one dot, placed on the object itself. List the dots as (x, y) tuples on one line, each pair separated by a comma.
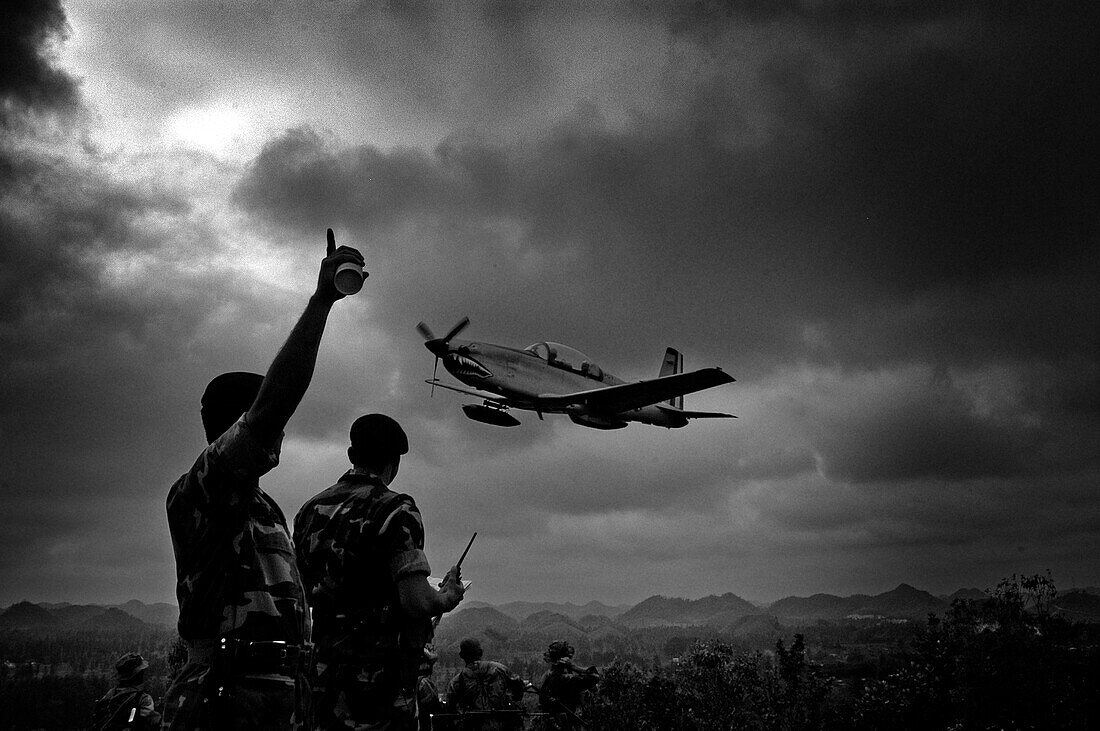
[(235, 459), (402, 538)]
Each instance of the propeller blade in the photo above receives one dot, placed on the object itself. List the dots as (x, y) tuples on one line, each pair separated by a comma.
[(439, 345), (456, 329)]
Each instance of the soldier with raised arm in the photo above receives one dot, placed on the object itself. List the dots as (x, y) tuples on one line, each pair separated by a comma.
[(242, 607), (563, 685)]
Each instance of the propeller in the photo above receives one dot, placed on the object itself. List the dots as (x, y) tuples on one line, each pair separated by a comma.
[(438, 346)]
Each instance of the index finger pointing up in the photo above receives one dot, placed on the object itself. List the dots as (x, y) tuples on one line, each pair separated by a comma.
[(331, 244)]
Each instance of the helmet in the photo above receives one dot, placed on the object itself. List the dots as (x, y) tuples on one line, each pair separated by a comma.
[(470, 649), (130, 665), (557, 651)]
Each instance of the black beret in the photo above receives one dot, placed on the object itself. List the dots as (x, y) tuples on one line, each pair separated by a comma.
[(226, 398), (378, 435)]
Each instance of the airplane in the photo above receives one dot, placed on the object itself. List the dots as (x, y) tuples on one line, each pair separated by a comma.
[(551, 378)]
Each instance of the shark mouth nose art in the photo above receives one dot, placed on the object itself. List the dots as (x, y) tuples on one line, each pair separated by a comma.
[(461, 365)]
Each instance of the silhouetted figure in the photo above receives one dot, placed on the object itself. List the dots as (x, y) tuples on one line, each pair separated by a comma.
[(428, 703), (127, 706), (361, 554), (242, 607), (484, 685), (561, 687)]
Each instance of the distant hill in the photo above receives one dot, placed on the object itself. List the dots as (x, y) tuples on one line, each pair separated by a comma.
[(818, 606), (661, 611), (539, 621), (166, 615), (553, 624), (756, 624), (473, 621), (1079, 606), (592, 622), (905, 601), (25, 615), (114, 619), (972, 595), (521, 610), (75, 614)]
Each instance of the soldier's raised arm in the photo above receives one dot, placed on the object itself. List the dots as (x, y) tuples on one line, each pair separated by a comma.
[(290, 372)]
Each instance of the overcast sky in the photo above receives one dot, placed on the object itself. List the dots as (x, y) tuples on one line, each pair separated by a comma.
[(879, 217)]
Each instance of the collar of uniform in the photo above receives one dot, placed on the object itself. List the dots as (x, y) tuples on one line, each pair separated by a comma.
[(360, 476)]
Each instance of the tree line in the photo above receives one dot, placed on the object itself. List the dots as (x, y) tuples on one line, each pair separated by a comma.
[(1009, 662)]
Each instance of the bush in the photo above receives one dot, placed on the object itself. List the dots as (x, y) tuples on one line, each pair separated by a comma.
[(1006, 662), (712, 687)]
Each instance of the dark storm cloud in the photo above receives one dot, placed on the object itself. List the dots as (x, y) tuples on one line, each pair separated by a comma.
[(29, 80), (909, 428), (929, 201), (969, 516)]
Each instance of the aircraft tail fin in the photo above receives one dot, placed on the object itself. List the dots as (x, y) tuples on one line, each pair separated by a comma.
[(672, 364)]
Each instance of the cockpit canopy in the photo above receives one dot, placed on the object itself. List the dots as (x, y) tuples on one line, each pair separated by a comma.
[(565, 357)]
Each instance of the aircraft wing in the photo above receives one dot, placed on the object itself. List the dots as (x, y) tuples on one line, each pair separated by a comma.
[(696, 414), (627, 396)]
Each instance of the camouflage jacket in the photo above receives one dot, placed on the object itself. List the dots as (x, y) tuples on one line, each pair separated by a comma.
[(563, 684), (484, 685), (113, 710), (355, 541), (235, 569)]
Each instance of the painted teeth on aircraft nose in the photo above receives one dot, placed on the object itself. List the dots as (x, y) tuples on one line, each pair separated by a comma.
[(468, 367)]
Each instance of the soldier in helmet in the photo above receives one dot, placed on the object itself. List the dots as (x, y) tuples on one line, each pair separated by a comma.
[(562, 686), (428, 703), (243, 614), (361, 555), (484, 685), (127, 706)]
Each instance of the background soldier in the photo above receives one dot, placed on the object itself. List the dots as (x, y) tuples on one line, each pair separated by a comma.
[(127, 706), (561, 686), (361, 554), (242, 606), (484, 685), (428, 702)]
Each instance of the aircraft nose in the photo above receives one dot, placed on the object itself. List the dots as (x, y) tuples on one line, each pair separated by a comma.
[(438, 346)]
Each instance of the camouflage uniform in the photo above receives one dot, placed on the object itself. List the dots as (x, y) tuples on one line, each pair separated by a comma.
[(127, 706), (355, 541), (561, 687), (427, 702), (113, 711), (484, 685), (236, 578)]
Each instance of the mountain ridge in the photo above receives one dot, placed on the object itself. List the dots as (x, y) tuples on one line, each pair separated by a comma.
[(714, 610)]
